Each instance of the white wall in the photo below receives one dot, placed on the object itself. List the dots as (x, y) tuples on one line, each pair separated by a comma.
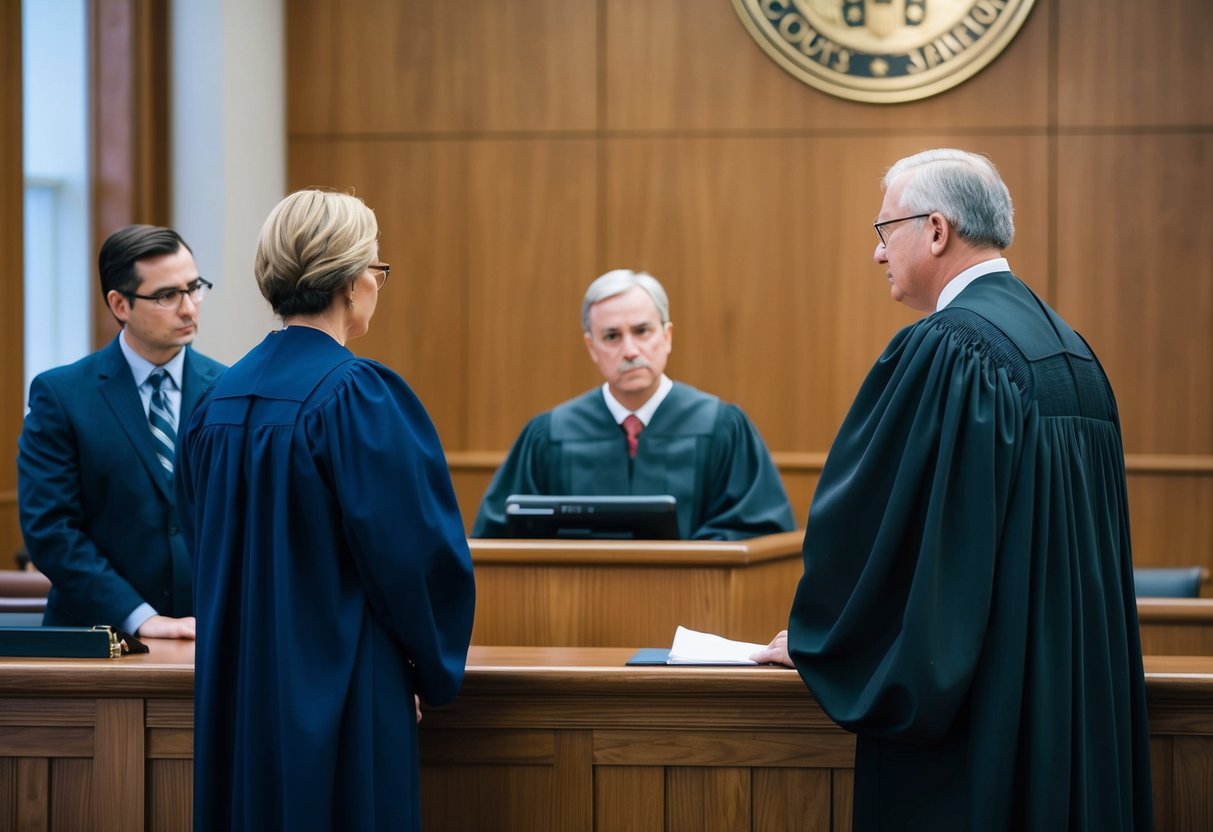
[(229, 155)]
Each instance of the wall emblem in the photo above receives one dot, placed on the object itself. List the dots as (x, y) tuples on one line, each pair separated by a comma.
[(883, 51)]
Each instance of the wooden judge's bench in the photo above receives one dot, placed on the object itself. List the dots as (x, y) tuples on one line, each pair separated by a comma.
[(601, 593), (548, 593), (551, 730)]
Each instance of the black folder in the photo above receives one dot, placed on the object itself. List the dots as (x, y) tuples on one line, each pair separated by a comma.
[(67, 642)]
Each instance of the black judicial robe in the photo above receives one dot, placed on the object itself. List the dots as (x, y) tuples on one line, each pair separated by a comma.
[(332, 583), (703, 451), (967, 605)]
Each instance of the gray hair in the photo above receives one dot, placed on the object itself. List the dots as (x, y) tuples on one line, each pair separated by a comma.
[(618, 281), (964, 187), (313, 243)]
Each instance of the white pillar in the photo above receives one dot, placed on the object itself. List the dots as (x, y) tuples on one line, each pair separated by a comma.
[(228, 155)]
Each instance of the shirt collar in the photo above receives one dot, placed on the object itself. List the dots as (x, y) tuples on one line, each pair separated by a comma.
[(957, 284), (141, 368), (645, 411)]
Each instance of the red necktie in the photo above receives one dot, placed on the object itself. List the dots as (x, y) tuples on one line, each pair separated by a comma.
[(633, 426)]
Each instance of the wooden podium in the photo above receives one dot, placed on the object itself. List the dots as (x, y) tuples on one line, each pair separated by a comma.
[(595, 593)]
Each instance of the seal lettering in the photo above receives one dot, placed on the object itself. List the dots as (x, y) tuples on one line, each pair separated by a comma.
[(883, 50)]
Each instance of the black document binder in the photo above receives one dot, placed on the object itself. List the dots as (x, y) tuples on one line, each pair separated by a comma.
[(67, 642)]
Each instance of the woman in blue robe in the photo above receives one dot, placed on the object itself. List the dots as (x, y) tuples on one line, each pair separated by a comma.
[(332, 580)]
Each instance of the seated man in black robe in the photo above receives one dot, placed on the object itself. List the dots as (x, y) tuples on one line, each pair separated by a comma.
[(641, 433), (967, 604)]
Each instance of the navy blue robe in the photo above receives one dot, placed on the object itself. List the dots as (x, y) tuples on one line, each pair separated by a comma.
[(967, 606), (332, 582), (703, 451)]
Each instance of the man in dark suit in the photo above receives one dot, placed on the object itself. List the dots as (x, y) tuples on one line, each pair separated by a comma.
[(96, 455)]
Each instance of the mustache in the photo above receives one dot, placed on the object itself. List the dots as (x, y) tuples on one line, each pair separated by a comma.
[(637, 363)]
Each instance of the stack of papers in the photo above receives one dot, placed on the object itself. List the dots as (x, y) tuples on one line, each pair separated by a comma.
[(691, 647)]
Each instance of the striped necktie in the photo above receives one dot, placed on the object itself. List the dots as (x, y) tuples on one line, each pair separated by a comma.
[(160, 418), (632, 426)]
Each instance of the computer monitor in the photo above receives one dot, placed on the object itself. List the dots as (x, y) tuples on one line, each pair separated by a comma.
[(565, 516)]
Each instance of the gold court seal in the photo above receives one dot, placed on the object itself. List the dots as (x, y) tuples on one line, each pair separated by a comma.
[(883, 51)]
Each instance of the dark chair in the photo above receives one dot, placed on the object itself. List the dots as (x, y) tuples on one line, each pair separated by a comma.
[(23, 591), (1168, 582)]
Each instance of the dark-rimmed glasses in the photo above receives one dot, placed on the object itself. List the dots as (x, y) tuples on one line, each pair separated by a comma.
[(384, 270), (171, 298), (879, 226)]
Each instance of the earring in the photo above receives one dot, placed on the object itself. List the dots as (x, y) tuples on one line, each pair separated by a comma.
[(350, 303)]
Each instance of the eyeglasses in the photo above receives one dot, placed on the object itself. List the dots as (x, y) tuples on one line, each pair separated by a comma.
[(384, 270), (171, 298), (879, 226)]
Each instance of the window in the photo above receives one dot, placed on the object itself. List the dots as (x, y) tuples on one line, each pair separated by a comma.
[(58, 263)]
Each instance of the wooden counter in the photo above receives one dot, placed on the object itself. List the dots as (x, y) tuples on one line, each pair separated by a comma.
[(540, 738), (559, 738), (1176, 626), (623, 593), (98, 744)]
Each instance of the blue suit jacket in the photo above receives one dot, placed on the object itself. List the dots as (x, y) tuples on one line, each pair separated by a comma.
[(98, 515)]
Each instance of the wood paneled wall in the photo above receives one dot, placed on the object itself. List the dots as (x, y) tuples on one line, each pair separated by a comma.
[(513, 151)]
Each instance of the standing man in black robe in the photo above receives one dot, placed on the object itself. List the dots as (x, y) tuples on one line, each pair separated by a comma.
[(967, 606)]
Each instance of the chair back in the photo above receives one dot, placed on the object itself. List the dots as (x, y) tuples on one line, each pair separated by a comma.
[(1168, 582), (23, 591)]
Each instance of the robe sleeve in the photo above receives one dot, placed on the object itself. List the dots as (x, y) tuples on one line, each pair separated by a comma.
[(524, 471), (745, 497), (401, 519), (891, 614)]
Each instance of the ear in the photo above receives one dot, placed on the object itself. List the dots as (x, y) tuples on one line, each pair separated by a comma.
[(669, 335), (589, 345), (119, 304), (941, 233)]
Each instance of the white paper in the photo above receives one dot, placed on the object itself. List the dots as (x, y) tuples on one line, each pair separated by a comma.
[(691, 647)]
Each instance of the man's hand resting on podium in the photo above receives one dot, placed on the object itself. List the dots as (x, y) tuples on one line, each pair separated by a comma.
[(161, 626), (776, 652)]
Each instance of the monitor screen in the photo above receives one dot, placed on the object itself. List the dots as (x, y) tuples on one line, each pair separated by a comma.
[(647, 517)]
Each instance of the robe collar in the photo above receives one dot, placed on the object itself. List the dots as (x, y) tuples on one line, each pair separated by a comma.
[(957, 284)]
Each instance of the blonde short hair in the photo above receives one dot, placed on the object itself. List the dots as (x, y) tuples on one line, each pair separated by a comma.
[(313, 243)]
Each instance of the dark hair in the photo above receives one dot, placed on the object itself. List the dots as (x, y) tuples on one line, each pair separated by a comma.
[(126, 247)]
